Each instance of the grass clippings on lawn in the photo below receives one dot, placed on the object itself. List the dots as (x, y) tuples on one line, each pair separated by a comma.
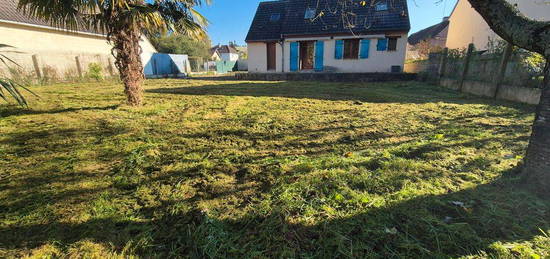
[(231, 169)]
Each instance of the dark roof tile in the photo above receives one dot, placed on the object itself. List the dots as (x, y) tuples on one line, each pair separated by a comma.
[(365, 19), (262, 26), (223, 49), (9, 12)]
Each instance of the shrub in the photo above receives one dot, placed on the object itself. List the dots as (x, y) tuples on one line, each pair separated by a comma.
[(533, 62), (95, 71)]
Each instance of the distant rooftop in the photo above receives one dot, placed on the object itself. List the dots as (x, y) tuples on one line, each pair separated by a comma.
[(224, 49), (10, 13), (429, 32)]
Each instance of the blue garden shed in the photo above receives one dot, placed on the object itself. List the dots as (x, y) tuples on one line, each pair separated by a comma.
[(162, 64)]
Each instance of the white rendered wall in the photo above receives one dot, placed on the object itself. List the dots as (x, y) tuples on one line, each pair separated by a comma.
[(257, 57), (56, 49), (378, 61), (229, 56), (467, 26)]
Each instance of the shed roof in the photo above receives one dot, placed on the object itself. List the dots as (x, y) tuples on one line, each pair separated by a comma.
[(223, 49), (361, 18)]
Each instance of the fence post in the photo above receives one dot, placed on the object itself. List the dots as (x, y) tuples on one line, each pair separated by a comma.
[(443, 63), (466, 65), (78, 66), (36, 66), (502, 67)]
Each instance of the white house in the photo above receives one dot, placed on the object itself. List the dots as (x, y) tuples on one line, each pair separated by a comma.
[(305, 36), (467, 26), (225, 52)]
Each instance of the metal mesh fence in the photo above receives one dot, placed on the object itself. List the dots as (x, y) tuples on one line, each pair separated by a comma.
[(197, 64)]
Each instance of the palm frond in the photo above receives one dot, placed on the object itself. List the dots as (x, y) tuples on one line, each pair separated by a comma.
[(66, 14), (177, 16), (199, 18), (8, 61), (181, 17), (7, 86), (10, 87)]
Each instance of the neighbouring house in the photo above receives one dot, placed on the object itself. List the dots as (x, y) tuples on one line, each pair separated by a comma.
[(214, 55), (226, 52), (341, 36), (421, 43), (467, 26), (243, 52), (55, 52)]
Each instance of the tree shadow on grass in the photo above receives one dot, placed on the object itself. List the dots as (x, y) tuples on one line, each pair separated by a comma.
[(50, 172), (395, 92), (214, 78), (34, 141), (37, 190), (422, 226), (446, 225), (419, 226), (16, 111)]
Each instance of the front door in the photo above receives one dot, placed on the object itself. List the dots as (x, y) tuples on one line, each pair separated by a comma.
[(271, 54), (306, 55)]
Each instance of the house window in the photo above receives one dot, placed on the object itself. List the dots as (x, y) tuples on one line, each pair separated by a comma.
[(351, 49), (275, 17), (392, 44), (381, 6), (310, 13)]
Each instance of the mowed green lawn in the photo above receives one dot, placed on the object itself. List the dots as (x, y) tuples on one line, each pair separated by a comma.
[(233, 169)]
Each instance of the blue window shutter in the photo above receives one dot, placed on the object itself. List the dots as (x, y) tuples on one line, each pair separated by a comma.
[(319, 52), (294, 56), (365, 46), (339, 49), (382, 44)]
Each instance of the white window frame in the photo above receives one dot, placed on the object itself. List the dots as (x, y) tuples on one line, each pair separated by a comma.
[(382, 6), (310, 13)]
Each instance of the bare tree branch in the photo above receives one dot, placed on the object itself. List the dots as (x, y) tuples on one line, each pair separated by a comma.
[(506, 21)]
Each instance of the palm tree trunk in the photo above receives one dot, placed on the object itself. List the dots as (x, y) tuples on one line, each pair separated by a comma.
[(537, 160), (127, 53)]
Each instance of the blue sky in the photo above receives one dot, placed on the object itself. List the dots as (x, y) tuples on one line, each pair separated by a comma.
[(230, 19)]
